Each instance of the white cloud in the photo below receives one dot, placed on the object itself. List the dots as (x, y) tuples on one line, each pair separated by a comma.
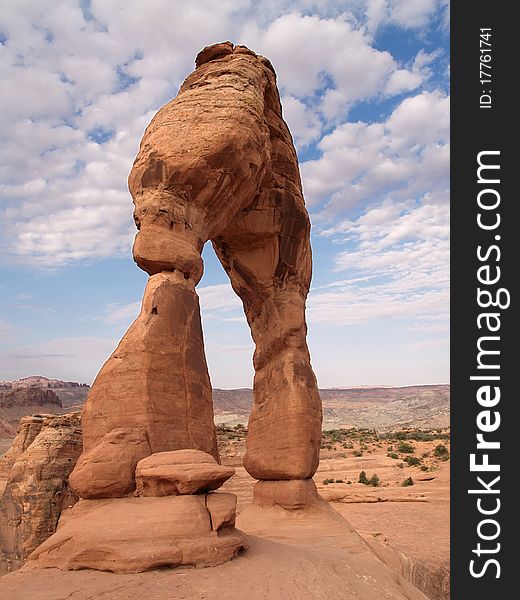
[(74, 77), (219, 297), (403, 158), (308, 49), (399, 252), (124, 314), (410, 14), (304, 122)]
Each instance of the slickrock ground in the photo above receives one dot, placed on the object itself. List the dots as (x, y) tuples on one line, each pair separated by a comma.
[(405, 528)]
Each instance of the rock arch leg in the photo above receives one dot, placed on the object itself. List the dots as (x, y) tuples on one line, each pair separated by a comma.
[(266, 253)]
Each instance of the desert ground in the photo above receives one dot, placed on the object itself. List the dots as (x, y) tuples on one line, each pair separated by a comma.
[(385, 538)]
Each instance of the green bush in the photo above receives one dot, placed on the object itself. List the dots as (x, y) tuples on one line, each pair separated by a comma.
[(357, 453), (393, 455), (412, 461), (407, 482), (363, 478), (339, 481), (405, 448), (327, 481), (374, 481), (441, 452)]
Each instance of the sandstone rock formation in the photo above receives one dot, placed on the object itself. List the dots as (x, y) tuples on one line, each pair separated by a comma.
[(294, 494), (131, 535), (156, 380), (179, 472), (108, 470), (17, 402), (43, 454), (28, 428), (217, 164), (38, 381)]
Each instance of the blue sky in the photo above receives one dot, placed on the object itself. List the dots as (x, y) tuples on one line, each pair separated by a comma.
[(365, 91)]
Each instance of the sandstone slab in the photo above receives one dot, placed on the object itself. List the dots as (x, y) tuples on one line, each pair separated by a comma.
[(131, 535), (107, 470), (179, 472), (222, 508)]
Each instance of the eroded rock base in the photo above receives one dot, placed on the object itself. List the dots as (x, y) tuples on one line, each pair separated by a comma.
[(294, 494), (132, 535)]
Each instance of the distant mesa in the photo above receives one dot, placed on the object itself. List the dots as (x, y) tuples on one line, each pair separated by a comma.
[(373, 407), (40, 382), (28, 396)]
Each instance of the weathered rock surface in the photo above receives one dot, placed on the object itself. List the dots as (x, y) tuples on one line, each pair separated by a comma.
[(294, 494), (28, 428), (131, 535), (222, 509), (218, 163), (107, 470), (18, 402), (39, 381), (179, 472), (156, 380), (37, 489)]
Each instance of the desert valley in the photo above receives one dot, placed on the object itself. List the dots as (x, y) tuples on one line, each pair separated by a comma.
[(384, 468)]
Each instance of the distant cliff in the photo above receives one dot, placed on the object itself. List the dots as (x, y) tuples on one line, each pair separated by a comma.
[(376, 407), (71, 393), (28, 396), (19, 402)]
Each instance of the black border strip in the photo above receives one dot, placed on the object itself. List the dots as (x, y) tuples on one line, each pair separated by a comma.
[(474, 130)]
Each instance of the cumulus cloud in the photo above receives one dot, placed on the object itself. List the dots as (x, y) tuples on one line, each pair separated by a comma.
[(408, 283), (380, 193), (397, 255), (410, 14), (80, 81), (405, 157)]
